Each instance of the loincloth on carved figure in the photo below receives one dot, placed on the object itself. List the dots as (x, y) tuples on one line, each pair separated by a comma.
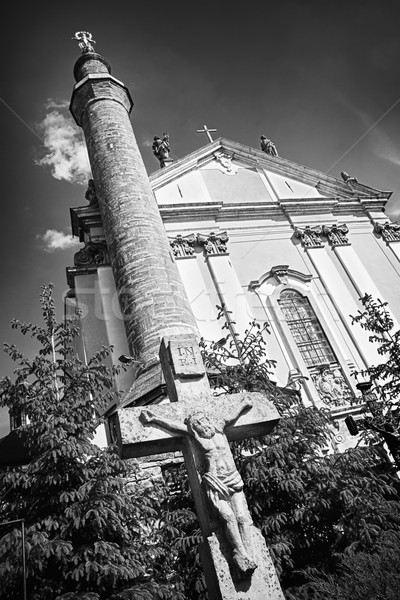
[(223, 486)]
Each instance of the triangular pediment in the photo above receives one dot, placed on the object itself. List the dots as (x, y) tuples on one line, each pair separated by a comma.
[(214, 164)]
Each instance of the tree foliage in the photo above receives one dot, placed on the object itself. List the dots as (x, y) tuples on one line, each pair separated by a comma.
[(87, 534), (378, 321), (384, 415), (93, 534), (373, 575), (309, 501)]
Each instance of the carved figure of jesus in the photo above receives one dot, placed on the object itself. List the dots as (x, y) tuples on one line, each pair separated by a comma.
[(222, 480)]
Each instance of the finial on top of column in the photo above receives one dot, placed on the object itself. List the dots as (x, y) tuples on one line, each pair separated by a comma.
[(85, 40), (89, 62)]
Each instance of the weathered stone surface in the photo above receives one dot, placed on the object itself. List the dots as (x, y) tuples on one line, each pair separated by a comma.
[(138, 440), (262, 585), (186, 358), (152, 297)]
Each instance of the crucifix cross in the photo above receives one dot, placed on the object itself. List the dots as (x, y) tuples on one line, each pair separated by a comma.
[(207, 132), (237, 564)]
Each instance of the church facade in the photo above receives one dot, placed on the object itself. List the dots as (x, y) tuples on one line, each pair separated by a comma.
[(227, 229), (268, 240)]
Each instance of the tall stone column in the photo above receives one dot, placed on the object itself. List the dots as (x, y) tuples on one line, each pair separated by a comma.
[(153, 300)]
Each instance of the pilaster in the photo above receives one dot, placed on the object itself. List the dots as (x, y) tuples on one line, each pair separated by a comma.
[(230, 291), (186, 249), (335, 286)]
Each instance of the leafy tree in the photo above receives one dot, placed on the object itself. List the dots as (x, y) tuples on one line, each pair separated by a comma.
[(87, 534), (377, 319), (308, 502), (364, 575), (382, 394)]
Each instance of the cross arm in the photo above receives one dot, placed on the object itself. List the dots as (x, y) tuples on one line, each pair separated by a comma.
[(243, 404), (149, 416), (136, 438), (143, 431)]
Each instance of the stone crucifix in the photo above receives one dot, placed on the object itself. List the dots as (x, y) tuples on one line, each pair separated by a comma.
[(236, 561), (223, 482)]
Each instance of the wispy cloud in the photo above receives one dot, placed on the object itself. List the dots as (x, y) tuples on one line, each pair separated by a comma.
[(147, 142), (57, 240), (64, 150), (53, 104)]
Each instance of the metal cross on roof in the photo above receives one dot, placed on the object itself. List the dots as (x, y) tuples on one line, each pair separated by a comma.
[(207, 132), (85, 41)]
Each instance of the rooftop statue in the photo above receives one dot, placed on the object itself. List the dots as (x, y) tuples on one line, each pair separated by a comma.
[(347, 179), (267, 146), (161, 148)]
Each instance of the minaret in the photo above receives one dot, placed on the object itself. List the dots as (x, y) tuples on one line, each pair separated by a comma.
[(152, 297)]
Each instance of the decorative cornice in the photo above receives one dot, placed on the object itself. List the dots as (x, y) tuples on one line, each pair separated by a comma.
[(336, 234), (349, 206), (375, 203), (309, 206), (192, 211), (182, 246), (214, 243), (217, 211), (389, 231), (310, 237), (181, 213), (83, 218), (281, 274)]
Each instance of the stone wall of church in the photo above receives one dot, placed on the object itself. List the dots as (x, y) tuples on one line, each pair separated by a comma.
[(282, 233)]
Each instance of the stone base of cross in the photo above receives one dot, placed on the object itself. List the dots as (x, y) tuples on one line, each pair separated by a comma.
[(236, 561)]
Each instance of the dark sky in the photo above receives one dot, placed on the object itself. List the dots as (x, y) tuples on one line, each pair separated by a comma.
[(319, 78)]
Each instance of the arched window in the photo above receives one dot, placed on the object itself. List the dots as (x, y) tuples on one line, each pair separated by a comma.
[(305, 328)]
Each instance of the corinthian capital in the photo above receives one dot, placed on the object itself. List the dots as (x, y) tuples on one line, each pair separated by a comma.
[(389, 231), (182, 246), (336, 234), (214, 243), (310, 236)]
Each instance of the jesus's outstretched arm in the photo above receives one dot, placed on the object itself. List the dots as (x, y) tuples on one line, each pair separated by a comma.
[(148, 416), (237, 411)]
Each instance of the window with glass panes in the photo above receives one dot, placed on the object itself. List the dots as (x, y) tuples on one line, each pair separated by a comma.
[(305, 328)]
